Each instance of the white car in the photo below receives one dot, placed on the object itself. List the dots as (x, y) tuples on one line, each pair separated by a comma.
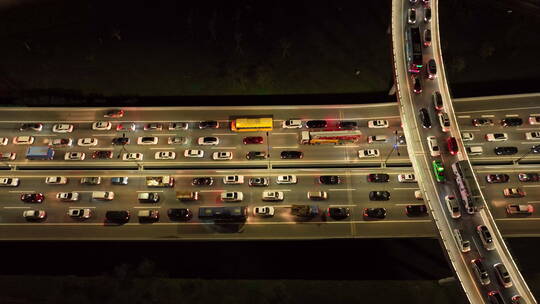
[(74, 156), (368, 153), (23, 140), (418, 195), (193, 153), (377, 139), (263, 211), (61, 142), (165, 155), (153, 127), (532, 135), (272, 196), (475, 150), (147, 140), (534, 120), (132, 156), (177, 140), (222, 155), (68, 196), (62, 128), (83, 213), (175, 126), (56, 180), (453, 206), (4, 141), (208, 141), (103, 195), (286, 179), (292, 124), (102, 125), (32, 214), (233, 179), (467, 136), (232, 196), (496, 136), (9, 181), (406, 178), (444, 121), (377, 124), (87, 142), (7, 155), (433, 146)]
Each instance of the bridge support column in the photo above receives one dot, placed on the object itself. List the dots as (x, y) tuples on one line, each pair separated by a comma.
[(447, 281)]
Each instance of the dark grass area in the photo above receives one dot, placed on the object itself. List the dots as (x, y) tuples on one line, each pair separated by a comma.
[(69, 49)]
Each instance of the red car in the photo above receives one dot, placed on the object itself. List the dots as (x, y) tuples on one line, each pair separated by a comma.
[(114, 114), (102, 154), (452, 145), (32, 197), (250, 140)]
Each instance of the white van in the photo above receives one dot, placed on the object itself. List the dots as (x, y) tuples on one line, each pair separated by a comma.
[(433, 146), (475, 150), (103, 195), (465, 246), (377, 139)]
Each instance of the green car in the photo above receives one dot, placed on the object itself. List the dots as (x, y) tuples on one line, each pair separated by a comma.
[(438, 169)]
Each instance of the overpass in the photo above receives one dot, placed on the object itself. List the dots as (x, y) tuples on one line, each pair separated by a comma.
[(415, 90)]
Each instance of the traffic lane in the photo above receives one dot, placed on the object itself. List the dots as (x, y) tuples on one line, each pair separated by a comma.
[(523, 103)]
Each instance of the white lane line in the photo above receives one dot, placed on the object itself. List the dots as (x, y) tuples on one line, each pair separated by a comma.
[(98, 135), (223, 148), (528, 129), (16, 207), (341, 205), (287, 133), (224, 134), (470, 130), (147, 207), (222, 190), (167, 148), (530, 186), (345, 146), (464, 116), (473, 144), (413, 204), (519, 219), (486, 115), (51, 135), (291, 147), (533, 202), (108, 149), (403, 188), (347, 189), (529, 142), (81, 207), (280, 190), (160, 191), (502, 110), (22, 191), (163, 134), (212, 223), (512, 115)]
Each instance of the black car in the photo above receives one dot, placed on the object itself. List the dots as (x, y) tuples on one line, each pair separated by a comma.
[(102, 154), (256, 155), (90, 180), (32, 197), (436, 98), (31, 127), (424, 118), (378, 178), (427, 37), (416, 210), (291, 154), (512, 122), (379, 195), (495, 297), (417, 85), (505, 150), (348, 125), (375, 213), (208, 124), (313, 124), (258, 182), (431, 69), (338, 213), (427, 14), (401, 140), (179, 214), (117, 216), (202, 181), (120, 141), (329, 179), (497, 178), (528, 177)]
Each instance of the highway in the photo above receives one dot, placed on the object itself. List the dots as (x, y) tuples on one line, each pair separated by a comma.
[(352, 193), (417, 129)]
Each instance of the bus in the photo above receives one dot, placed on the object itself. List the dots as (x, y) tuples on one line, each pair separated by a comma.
[(468, 187), (330, 137), (223, 213), (413, 45), (252, 124)]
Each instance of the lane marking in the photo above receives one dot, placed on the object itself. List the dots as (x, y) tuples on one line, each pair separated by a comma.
[(291, 147), (234, 148), (16, 207), (485, 115), (346, 189), (464, 116), (146, 207)]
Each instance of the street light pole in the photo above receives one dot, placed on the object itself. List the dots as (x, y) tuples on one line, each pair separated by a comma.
[(533, 148)]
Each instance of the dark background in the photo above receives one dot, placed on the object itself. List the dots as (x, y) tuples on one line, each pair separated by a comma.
[(87, 53)]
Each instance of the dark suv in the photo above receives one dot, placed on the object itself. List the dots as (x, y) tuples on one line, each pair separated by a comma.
[(313, 124), (179, 214), (291, 154), (505, 150), (117, 216), (378, 177), (379, 195), (512, 122), (416, 210), (329, 179), (424, 118), (202, 181)]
